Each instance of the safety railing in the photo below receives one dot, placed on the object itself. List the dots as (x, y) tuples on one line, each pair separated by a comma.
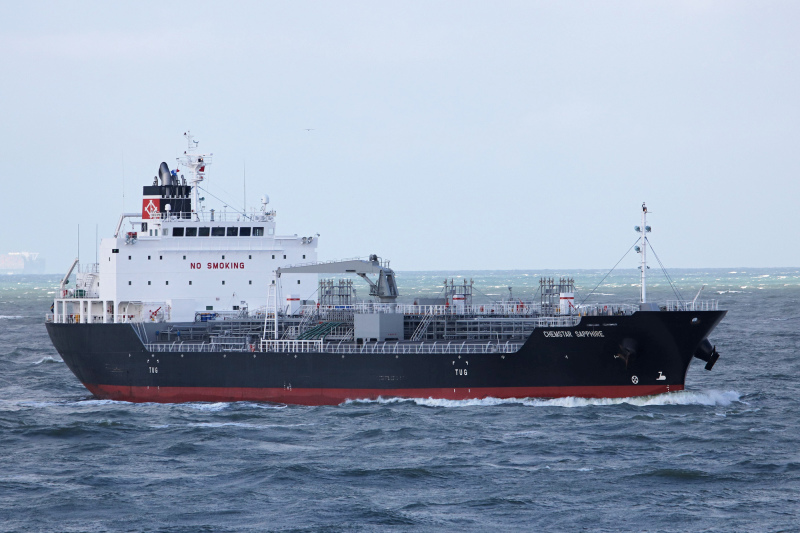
[(697, 305), (319, 346)]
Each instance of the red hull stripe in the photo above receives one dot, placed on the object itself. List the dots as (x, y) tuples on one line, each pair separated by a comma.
[(337, 396)]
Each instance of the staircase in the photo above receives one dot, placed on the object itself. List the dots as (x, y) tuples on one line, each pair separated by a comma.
[(422, 327), (319, 331)]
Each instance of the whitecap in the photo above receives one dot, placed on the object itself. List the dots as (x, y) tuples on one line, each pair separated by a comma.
[(10, 317), (48, 359)]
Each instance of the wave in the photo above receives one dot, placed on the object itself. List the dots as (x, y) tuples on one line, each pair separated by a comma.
[(708, 398), (11, 317), (48, 359)]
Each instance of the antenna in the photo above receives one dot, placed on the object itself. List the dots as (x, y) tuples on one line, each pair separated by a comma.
[(96, 258), (123, 180), (244, 187), (79, 243)]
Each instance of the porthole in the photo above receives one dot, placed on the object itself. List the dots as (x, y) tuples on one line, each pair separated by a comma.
[(695, 321)]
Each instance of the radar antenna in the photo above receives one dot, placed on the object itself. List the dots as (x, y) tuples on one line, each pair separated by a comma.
[(196, 163)]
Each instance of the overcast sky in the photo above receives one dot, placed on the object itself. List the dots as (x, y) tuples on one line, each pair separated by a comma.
[(446, 135)]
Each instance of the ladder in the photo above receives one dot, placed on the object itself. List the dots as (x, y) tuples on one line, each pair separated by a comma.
[(271, 310), (422, 327)]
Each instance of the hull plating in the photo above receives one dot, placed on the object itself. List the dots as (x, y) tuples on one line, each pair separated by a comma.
[(594, 359)]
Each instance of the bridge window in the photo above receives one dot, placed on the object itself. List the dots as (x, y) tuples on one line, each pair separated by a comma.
[(233, 232), (244, 232), (191, 232), (177, 232), (204, 232), (217, 232), (258, 232)]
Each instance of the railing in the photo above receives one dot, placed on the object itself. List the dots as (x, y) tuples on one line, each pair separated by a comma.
[(88, 268), (318, 346), (606, 309), (219, 216), (293, 346), (698, 305), (68, 294), (423, 347)]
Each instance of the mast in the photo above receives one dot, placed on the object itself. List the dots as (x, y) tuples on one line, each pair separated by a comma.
[(643, 230), (196, 163)]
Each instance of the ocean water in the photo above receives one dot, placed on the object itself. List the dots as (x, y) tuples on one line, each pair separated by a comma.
[(724, 455)]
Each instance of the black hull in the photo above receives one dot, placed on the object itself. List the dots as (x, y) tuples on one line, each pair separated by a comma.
[(609, 356)]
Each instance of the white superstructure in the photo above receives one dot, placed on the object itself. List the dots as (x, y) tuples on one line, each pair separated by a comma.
[(174, 260)]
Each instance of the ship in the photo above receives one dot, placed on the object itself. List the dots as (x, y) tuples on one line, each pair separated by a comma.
[(186, 304), (21, 263)]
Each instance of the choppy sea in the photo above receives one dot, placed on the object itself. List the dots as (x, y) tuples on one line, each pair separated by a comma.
[(724, 455)]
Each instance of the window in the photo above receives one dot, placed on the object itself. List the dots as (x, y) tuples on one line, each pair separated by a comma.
[(129, 283), (184, 258), (160, 257), (217, 232), (148, 283), (223, 257), (273, 256), (166, 282), (284, 256), (129, 257), (148, 258), (191, 232), (258, 232), (177, 232), (235, 307), (156, 233), (190, 282), (249, 256), (244, 232), (273, 282), (298, 282), (115, 250), (250, 282), (233, 232), (204, 232), (223, 282), (151, 233), (144, 227), (165, 232), (209, 308), (304, 256)]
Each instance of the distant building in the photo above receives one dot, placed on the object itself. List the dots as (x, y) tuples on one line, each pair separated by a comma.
[(21, 263)]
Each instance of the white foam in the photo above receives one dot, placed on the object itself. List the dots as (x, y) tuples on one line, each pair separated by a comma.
[(10, 317), (48, 359), (709, 398), (218, 406), (224, 424)]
